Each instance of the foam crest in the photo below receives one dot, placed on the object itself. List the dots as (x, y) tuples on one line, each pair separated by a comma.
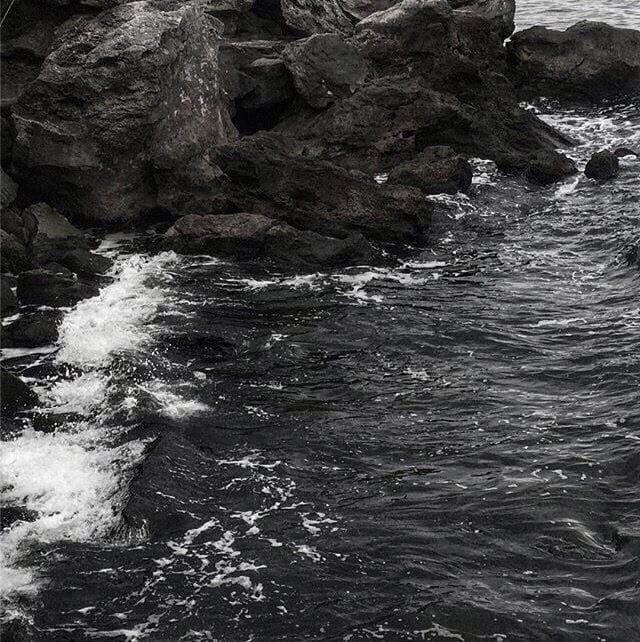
[(114, 320)]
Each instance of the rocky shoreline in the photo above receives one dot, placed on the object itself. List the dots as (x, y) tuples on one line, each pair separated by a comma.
[(257, 129)]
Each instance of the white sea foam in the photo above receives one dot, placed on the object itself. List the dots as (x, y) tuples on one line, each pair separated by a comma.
[(75, 480)]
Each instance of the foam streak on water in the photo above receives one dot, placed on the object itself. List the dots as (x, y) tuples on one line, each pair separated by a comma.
[(75, 479)]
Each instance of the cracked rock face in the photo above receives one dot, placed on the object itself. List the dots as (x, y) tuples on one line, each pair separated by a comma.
[(126, 101)]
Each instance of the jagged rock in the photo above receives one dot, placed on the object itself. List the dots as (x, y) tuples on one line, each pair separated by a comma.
[(359, 9), (324, 67), (123, 111), (390, 119), (588, 60), (82, 261), (437, 170), (55, 235), (603, 165), (16, 394), (8, 190), (499, 13), (548, 167), (252, 236), (8, 300), (265, 176), (40, 287), (305, 17), (13, 254), (633, 255), (257, 83), (32, 330), (408, 27)]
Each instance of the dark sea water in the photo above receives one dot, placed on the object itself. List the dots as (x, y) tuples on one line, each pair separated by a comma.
[(443, 449)]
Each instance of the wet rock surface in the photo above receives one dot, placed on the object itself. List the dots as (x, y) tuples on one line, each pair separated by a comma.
[(16, 394), (41, 287), (603, 165), (586, 61), (436, 170), (545, 168)]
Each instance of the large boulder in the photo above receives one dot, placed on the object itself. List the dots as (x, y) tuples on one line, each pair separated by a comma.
[(547, 167), (359, 9), (603, 165), (8, 190), (32, 330), (14, 256), (588, 60), (324, 67), (83, 262), (41, 287), (123, 111), (390, 119), (436, 170), (265, 175), (253, 236), (15, 394)]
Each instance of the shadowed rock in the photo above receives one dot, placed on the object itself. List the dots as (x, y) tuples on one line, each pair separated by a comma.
[(32, 330), (603, 165), (8, 300), (16, 394), (436, 170), (266, 176), (588, 60), (40, 287), (253, 236), (324, 67), (548, 167)]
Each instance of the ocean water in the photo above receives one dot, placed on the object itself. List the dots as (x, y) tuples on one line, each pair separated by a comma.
[(562, 14), (444, 449)]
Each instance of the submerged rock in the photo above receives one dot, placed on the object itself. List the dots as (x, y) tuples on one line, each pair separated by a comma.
[(16, 394), (40, 287), (324, 67), (548, 167), (603, 166), (588, 60), (123, 111), (253, 236), (436, 170)]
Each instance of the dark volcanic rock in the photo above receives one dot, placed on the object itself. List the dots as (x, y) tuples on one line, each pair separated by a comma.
[(603, 165), (257, 82), (390, 119), (548, 167), (633, 255), (434, 171), (55, 235), (621, 152), (16, 395), (588, 60), (323, 67), (82, 261), (8, 190), (305, 17), (11, 514), (13, 254), (499, 13), (252, 236), (123, 111), (8, 300), (265, 176), (40, 287), (32, 330), (359, 9)]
